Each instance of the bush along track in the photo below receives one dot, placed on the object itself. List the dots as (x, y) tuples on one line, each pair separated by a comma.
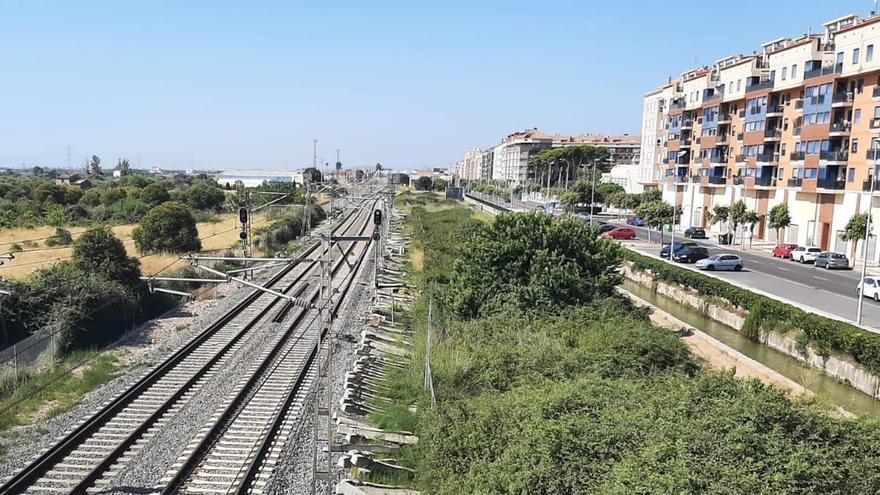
[(824, 335), (386, 345), (583, 394)]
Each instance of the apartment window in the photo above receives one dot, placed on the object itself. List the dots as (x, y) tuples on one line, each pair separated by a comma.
[(855, 59), (850, 175), (782, 149), (784, 73), (795, 173), (860, 86), (869, 53), (857, 116), (773, 75), (738, 84), (877, 112), (839, 59), (855, 146), (794, 71), (809, 173)]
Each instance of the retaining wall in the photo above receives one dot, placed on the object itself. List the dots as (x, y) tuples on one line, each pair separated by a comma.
[(842, 368)]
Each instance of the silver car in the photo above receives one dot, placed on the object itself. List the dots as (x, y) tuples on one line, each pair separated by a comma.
[(721, 262), (829, 261)]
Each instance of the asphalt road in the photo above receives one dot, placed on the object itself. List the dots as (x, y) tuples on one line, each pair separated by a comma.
[(829, 291)]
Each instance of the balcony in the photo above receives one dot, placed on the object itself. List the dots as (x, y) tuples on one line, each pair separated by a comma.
[(768, 84), (738, 180), (875, 125), (695, 178), (795, 182), (724, 118), (680, 179), (876, 93), (842, 99), (834, 155), (714, 179), (873, 154), (765, 181), (799, 104), (796, 156), (740, 158), (774, 110), (685, 143), (866, 185), (739, 136), (722, 140), (676, 104), (712, 97), (822, 71), (840, 129), (833, 184), (718, 159), (796, 131), (683, 160), (768, 157), (687, 124), (772, 134)]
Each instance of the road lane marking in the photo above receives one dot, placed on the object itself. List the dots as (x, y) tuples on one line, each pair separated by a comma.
[(783, 268), (820, 278)]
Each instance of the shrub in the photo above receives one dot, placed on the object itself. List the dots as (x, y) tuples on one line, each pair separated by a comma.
[(169, 227), (62, 237)]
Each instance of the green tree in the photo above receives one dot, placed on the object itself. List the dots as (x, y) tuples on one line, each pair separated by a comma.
[(99, 251), (62, 237), (202, 196), (606, 190), (720, 214), (855, 230), (112, 195), (169, 227), (155, 194), (48, 192), (651, 195), (54, 215), (751, 218), (779, 219), (569, 200), (738, 216), (655, 214), (92, 198), (532, 262), (439, 185), (424, 183)]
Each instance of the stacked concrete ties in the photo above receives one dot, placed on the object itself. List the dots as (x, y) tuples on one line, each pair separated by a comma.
[(385, 345)]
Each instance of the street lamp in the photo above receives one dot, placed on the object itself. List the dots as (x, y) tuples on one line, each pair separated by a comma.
[(865, 249), (593, 190)]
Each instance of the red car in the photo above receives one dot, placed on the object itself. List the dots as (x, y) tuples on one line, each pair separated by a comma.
[(783, 250), (620, 233)]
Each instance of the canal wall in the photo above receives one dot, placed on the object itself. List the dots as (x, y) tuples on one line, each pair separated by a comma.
[(842, 368)]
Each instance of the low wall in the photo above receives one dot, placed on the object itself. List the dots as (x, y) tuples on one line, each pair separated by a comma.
[(483, 206), (840, 367)]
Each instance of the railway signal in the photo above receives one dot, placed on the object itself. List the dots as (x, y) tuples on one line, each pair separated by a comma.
[(243, 216)]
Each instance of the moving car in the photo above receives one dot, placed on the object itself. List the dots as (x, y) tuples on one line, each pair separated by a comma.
[(695, 233), (620, 233), (783, 250), (605, 228), (871, 288), (638, 222), (690, 254), (805, 254), (721, 262), (832, 260), (664, 250)]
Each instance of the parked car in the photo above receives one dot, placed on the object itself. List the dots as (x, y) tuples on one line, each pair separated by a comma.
[(606, 227), (721, 262), (620, 233), (638, 222), (690, 254), (783, 250), (871, 288), (832, 260), (805, 254), (664, 250), (695, 233)]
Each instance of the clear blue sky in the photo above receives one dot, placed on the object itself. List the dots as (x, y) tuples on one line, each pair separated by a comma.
[(249, 84)]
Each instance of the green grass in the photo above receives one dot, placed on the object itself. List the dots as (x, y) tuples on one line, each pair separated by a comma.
[(56, 389)]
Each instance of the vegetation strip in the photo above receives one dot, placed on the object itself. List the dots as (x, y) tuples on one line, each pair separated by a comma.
[(546, 383)]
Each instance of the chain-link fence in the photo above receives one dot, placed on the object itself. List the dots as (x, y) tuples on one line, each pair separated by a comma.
[(28, 356)]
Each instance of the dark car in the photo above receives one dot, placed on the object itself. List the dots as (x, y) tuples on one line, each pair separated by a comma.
[(690, 254), (606, 227), (638, 222), (695, 233), (664, 251)]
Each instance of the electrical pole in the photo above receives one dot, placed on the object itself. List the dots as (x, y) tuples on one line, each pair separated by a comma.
[(865, 249), (592, 191)]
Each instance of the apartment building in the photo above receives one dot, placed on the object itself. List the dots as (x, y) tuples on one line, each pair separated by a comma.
[(509, 161), (797, 123)]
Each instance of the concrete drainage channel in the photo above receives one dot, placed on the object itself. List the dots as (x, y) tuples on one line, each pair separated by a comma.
[(385, 343)]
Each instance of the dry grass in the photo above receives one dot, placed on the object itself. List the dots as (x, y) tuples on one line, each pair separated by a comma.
[(215, 235), (417, 258)]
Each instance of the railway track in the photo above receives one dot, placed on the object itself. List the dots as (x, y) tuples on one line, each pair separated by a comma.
[(237, 452), (94, 450)]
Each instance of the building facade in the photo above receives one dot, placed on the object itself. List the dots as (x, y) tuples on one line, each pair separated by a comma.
[(796, 123)]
